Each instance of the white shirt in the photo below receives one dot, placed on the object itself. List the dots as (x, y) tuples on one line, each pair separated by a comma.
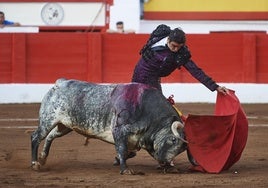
[(162, 42)]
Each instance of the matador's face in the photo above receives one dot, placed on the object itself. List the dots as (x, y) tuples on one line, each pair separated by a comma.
[(174, 46)]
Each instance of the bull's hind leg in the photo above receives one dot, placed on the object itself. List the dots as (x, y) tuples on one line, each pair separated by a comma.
[(39, 135), (36, 138), (58, 131)]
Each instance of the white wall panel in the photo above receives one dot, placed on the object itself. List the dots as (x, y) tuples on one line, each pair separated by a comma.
[(75, 14)]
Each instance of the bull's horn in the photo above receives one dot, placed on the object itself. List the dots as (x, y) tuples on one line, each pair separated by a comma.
[(174, 127)]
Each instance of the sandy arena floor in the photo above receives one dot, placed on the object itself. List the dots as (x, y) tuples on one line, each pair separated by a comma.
[(71, 164)]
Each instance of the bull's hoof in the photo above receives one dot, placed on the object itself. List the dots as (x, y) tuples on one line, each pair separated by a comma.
[(131, 172), (36, 166), (42, 159), (127, 172)]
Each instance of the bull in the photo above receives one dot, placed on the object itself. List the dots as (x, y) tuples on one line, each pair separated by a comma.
[(131, 116)]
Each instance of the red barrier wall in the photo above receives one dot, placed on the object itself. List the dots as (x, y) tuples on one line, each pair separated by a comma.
[(234, 57)]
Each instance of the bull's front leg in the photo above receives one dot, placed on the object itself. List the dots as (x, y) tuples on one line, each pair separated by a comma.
[(121, 150), (121, 141)]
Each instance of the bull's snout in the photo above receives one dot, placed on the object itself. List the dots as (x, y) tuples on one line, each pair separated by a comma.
[(168, 167), (166, 164)]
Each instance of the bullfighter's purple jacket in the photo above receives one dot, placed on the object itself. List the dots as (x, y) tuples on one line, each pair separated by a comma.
[(160, 65)]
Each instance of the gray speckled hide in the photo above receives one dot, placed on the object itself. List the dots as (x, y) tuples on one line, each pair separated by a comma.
[(131, 116)]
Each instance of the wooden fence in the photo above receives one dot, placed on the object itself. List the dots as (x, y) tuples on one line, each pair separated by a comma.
[(230, 57)]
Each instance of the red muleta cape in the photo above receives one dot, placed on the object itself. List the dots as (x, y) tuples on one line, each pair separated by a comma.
[(217, 141)]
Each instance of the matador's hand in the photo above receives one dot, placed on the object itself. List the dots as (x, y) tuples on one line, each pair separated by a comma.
[(223, 90)]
